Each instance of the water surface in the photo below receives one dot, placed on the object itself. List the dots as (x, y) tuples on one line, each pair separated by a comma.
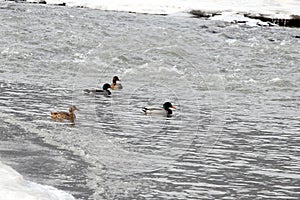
[(234, 134)]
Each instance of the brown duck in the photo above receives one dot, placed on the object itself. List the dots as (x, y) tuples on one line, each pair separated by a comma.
[(115, 85), (60, 116)]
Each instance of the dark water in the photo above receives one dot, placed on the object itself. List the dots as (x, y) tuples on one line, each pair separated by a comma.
[(234, 134)]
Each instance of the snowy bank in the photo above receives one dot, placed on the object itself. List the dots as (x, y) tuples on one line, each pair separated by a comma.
[(265, 12), (14, 187)]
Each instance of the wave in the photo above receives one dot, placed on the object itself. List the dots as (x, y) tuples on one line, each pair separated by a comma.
[(14, 187)]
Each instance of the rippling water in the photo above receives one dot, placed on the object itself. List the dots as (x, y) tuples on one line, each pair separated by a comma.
[(234, 134)]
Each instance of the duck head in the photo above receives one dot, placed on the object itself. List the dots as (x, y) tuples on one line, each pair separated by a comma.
[(73, 108), (115, 79), (168, 105)]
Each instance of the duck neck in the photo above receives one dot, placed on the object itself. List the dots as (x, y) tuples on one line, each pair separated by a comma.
[(72, 115), (169, 111)]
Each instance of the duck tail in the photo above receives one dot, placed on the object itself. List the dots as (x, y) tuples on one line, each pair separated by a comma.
[(52, 115), (86, 90)]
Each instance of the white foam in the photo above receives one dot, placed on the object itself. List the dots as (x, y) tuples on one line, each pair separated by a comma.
[(14, 187), (276, 79), (275, 8)]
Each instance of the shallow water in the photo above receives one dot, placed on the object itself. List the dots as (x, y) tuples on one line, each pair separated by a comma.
[(234, 134)]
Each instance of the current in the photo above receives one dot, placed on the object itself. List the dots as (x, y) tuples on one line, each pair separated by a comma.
[(234, 134)]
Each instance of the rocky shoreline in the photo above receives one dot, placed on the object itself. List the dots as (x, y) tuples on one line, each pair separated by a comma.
[(293, 21)]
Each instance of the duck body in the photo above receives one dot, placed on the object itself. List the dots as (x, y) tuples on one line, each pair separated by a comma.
[(104, 91), (155, 110), (164, 110), (60, 116), (115, 85)]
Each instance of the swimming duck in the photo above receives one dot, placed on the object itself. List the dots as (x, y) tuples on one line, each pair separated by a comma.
[(65, 115), (116, 85), (104, 90), (165, 109)]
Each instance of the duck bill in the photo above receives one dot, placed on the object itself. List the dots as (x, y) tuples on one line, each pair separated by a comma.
[(173, 107)]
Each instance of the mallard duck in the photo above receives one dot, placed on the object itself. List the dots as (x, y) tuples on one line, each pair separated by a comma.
[(65, 115), (116, 85), (104, 90), (165, 109)]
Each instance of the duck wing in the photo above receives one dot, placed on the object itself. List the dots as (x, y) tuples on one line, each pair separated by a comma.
[(152, 109), (102, 92), (93, 91), (60, 115), (117, 86)]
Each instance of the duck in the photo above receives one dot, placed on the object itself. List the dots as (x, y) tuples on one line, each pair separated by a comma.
[(104, 90), (116, 85), (60, 116), (165, 109)]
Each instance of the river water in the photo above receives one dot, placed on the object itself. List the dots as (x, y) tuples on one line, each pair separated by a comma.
[(234, 134)]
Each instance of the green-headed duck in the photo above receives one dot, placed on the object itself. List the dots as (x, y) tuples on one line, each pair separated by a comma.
[(164, 110), (104, 90)]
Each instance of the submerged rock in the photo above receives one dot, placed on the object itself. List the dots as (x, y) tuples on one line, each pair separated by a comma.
[(291, 21), (37, 2), (203, 14)]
